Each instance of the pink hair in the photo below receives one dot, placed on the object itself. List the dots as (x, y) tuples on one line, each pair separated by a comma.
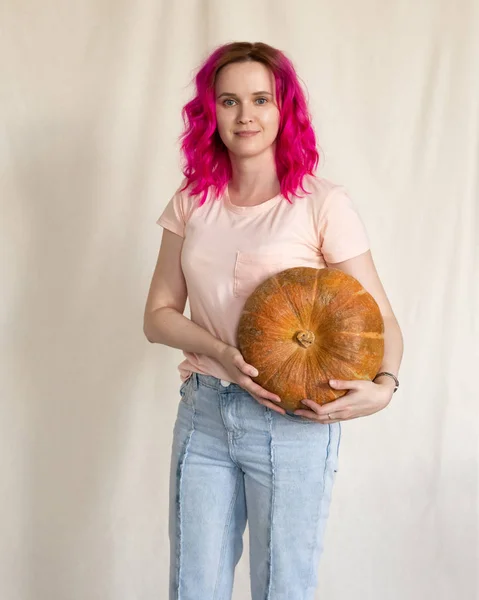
[(206, 156)]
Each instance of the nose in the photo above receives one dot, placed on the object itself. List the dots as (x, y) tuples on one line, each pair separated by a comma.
[(245, 120), (245, 115)]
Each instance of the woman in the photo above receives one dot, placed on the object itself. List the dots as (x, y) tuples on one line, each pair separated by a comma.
[(238, 218)]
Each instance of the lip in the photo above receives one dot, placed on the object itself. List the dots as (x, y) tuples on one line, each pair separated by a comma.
[(246, 133)]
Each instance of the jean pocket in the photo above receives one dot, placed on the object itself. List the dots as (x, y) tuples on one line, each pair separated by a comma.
[(185, 392)]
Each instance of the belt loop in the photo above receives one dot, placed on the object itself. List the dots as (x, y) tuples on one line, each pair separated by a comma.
[(195, 380)]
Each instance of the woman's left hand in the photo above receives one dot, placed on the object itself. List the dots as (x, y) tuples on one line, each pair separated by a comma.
[(363, 398)]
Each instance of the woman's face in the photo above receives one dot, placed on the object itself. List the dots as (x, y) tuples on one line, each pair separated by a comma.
[(246, 101)]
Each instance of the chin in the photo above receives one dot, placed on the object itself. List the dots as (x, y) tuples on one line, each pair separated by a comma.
[(247, 154), (238, 149)]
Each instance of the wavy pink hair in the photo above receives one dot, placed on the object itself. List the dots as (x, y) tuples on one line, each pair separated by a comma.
[(206, 157)]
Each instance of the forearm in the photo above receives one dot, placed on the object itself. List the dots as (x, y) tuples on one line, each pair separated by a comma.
[(393, 349), (167, 326)]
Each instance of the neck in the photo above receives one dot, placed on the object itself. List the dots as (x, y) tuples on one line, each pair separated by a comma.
[(254, 177)]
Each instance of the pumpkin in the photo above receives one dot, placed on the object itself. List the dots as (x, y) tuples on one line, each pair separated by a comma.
[(305, 326)]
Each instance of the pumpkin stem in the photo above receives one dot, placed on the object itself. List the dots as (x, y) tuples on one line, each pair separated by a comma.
[(305, 338)]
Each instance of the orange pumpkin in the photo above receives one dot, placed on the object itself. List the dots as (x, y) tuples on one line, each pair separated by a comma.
[(305, 326)]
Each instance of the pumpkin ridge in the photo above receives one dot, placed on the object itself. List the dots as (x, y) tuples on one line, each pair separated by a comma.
[(313, 297), (374, 335), (293, 308), (285, 366), (319, 368), (270, 363), (319, 306), (263, 317), (346, 299), (339, 355)]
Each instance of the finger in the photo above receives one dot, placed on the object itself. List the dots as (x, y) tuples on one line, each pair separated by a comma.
[(329, 407), (244, 367), (313, 416), (254, 388), (257, 391), (334, 406), (268, 404), (307, 414), (311, 405), (252, 371), (272, 406), (341, 384)]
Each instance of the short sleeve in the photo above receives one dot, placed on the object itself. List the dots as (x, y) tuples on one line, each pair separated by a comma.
[(342, 234), (174, 216)]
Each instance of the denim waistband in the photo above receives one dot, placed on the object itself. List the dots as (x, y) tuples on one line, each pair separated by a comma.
[(215, 383)]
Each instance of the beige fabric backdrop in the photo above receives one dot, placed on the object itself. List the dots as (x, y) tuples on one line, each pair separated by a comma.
[(90, 104)]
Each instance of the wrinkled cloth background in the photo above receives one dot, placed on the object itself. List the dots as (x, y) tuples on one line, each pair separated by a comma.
[(90, 102)]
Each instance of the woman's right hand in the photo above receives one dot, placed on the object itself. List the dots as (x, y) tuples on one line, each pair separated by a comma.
[(240, 372)]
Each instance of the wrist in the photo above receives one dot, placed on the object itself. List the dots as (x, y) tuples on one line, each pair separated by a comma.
[(218, 348), (386, 379)]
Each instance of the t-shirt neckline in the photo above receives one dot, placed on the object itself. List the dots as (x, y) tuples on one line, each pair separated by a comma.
[(248, 210)]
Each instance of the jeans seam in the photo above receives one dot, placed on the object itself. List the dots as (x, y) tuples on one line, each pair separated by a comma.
[(336, 467), (318, 521), (226, 532), (180, 469), (273, 498)]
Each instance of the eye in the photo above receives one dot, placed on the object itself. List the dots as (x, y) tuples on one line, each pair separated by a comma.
[(258, 100)]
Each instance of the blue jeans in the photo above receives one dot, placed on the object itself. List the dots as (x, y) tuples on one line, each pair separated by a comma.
[(235, 460)]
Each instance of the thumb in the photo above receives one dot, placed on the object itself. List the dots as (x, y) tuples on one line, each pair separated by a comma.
[(249, 370), (339, 384), (242, 365)]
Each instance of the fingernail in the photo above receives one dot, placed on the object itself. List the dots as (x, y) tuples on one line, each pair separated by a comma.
[(332, 381), (254, 372)]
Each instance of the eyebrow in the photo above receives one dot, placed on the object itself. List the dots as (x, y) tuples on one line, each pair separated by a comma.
[(254, 94)]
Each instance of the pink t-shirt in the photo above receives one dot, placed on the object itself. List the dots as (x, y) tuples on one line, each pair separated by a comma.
[(228, 250)]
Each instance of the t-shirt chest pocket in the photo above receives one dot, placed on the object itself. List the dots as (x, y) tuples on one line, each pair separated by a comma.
[(252, 269)]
